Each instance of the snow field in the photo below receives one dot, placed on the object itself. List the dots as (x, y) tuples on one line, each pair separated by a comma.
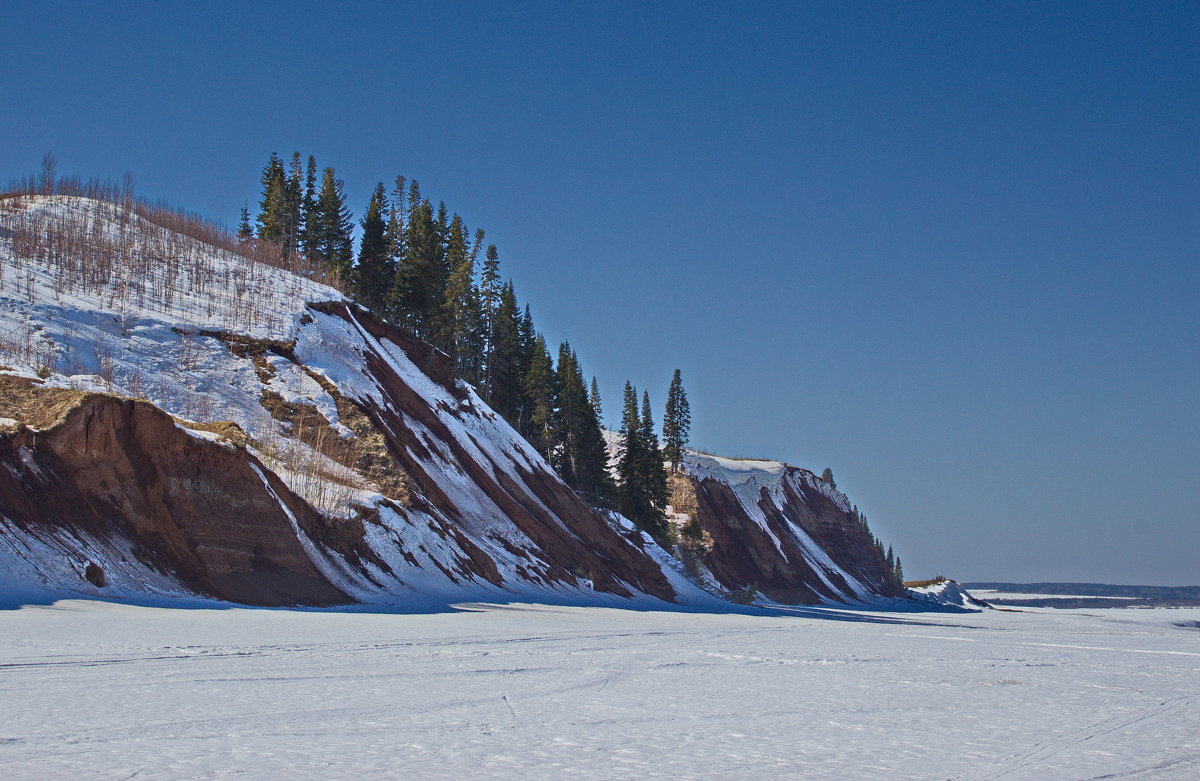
[(100, 690)]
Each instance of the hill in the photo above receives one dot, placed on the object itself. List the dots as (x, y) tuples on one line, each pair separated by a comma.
[(180, 421)]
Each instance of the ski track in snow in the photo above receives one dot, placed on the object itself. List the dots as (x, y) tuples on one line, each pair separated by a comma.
[(105, 690)]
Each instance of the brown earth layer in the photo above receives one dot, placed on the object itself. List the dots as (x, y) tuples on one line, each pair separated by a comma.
[(190, 507)]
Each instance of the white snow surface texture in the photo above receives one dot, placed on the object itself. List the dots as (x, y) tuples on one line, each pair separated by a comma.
[(136, 331), (105, 691)]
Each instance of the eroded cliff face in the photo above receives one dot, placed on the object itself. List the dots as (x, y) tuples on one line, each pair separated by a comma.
[(781, 531), (451, 444), (165, 500)]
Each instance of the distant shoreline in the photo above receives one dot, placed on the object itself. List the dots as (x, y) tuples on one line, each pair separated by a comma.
[(1085, 595)]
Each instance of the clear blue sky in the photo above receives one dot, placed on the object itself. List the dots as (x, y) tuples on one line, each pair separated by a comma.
[(948, 249)]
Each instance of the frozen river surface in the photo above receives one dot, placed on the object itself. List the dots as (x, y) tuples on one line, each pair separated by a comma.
[(97, 690)]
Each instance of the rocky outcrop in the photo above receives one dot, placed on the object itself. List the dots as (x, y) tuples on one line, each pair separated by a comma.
[(205, 513), (779, 530)]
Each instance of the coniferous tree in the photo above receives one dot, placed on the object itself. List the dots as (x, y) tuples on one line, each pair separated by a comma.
[(594, 400), (374, 273), (272, 215), (677, 423), (489, 302), (642, 479), (489, 282), (472, 332), (582, 456), (653, 473), (630, 458), (526, 333), (572, 415), (308, 208), (504, 369), (293, 205), (827, 477), (891, 559), (593, 479), (450, 328), (244, 231), (898, 571), (539, 387), (331, 229), (419, 290)]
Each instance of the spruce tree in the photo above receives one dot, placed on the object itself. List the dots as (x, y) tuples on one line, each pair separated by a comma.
[(594, 400), (572, 415), (898, 571), (331, 229), (630, 457), (642, 488), (293, 205), (308, 205), (539, 387), (472, 328), (654, 475), (583, 456), (677, 423), (244, 231), (504, 369), (373, 274), (272, 215), (420, 285), (827, 477), (450, 331)]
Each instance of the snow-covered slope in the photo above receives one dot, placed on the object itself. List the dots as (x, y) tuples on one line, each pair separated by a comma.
[(178, 420), (784, 532), (947, 593)]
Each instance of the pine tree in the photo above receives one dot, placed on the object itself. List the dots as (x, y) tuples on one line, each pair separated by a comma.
[(890, 558), (677, 423), (827, 477), (898, 571), (374, 273), (331, 229)]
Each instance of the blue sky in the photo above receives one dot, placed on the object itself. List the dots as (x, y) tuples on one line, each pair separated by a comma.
[(949, 250)]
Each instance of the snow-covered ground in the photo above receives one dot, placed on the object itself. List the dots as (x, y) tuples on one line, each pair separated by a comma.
[(100, 690)]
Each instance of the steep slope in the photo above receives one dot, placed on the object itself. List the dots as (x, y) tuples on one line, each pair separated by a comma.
[(175, 419), (784, 532)]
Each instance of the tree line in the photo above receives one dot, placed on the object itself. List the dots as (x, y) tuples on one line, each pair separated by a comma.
[(419, 266)]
